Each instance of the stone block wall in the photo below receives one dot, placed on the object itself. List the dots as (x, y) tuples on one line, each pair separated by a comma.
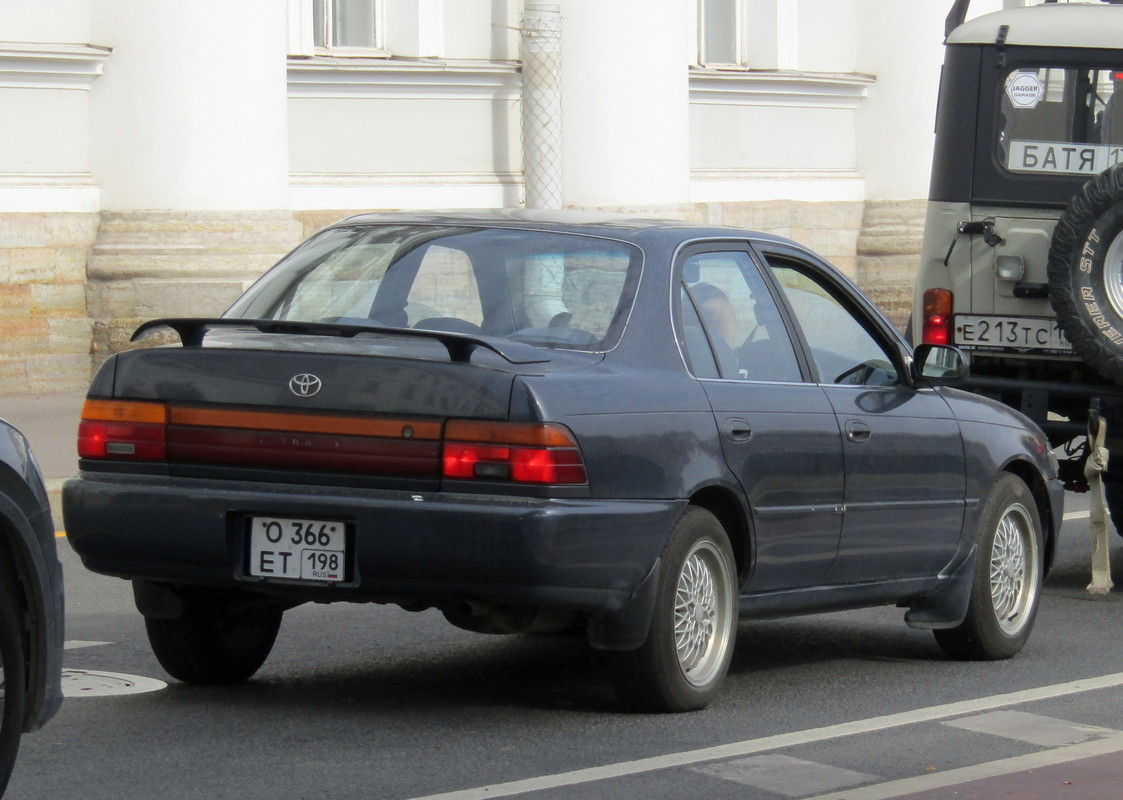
[(830, 229), (149, 264), (888, 251), (312, 221), (44, 328), (876, 243), (73, 287)]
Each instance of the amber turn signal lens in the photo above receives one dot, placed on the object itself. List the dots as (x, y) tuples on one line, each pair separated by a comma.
[(125, 411), (541, 434)]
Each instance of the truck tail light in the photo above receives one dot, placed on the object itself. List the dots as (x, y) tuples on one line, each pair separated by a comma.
[(541, 453), (123, 429), (937, 317)]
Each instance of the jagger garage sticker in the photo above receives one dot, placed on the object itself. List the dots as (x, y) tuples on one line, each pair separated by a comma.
[(1025, 90)]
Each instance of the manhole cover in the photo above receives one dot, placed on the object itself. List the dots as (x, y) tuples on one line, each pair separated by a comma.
[(89, 683)]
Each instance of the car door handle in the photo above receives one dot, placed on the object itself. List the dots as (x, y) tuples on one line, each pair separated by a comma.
[(857, 431), (737, 429)]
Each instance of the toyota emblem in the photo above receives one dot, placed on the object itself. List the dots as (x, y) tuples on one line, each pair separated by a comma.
[(305, 385)]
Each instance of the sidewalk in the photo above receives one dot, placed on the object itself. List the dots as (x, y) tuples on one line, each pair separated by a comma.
[(50, 423)]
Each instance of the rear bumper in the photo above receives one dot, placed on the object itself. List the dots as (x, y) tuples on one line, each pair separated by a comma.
[(432, 548)]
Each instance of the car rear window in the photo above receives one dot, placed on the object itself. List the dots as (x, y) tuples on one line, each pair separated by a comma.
[(1061, 121), (547, 289)]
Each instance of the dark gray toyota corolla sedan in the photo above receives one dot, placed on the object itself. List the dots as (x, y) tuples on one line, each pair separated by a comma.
[(535, 422)]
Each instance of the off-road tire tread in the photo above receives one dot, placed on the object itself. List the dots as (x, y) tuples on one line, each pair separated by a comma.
[(1094, 199)]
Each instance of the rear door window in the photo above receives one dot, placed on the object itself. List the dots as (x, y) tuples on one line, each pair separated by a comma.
[(741, 329)]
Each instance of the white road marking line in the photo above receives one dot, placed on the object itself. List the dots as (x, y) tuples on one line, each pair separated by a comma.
[(1077, 514), (752, 746), (77, 644), (1031, 728), (785, 775), (992, 769)]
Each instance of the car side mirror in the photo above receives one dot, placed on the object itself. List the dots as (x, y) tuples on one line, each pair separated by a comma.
[(939, 365)]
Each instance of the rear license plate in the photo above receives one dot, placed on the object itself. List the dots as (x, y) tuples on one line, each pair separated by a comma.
[(297, 549), (1037, 334)]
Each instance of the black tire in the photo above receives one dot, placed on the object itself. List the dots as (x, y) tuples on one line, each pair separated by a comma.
[(215, 641), (13, 683), (1088, 301), (682, 663), (1008, 574)]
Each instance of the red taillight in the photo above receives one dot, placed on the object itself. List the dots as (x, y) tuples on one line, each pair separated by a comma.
[(514, 452), (123, 429), (937, 317), (529, 453)]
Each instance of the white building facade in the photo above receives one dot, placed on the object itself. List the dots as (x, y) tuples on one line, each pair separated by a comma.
[(158, 156)]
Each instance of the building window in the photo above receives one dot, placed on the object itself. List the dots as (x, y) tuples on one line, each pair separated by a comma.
[(720, 33), (347, 24)]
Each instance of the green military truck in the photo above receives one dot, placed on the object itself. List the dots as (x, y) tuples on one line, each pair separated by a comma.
[(1022, 263)]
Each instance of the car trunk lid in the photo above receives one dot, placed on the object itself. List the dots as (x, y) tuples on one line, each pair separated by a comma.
[(301, 403)]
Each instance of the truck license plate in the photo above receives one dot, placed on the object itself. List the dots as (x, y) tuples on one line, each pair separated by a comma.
[(1039, 334), (297, 549)]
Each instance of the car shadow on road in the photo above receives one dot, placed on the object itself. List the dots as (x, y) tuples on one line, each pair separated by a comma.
[(546, 673), (787, 643), (529, 672)]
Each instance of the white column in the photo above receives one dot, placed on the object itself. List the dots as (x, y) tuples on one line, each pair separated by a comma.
[(542, 134), (191, 111), (902, 44), (626, 101)]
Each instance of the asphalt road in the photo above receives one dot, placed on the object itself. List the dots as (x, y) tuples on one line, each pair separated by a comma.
[(376, 702)]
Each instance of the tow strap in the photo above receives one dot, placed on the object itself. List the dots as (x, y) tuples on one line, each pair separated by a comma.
[(1094, 471)]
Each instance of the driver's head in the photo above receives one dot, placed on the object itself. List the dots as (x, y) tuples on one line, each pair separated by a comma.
[(716, 310)]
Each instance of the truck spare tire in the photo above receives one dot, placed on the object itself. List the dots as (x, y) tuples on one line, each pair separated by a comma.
[(1086, 273)]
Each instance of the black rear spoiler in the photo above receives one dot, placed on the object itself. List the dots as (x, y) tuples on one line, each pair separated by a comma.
[(192, 331)]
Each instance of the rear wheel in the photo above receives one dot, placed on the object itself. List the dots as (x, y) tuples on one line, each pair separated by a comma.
[(13, 671), (1008, 574), (215, 641), (690, 642)]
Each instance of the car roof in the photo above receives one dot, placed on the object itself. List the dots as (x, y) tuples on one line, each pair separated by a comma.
[(1083, 25), (617, 226)]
